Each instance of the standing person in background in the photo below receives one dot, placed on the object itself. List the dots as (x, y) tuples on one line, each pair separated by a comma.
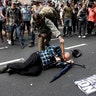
[(91, 17), (5, 28), (1, 21), (67, 17), (36, 8), (74, 18), (26, 14), (14, 21), (61, 14), (82, 17)]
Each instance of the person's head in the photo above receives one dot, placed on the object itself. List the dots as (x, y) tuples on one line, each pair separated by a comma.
[(38, 19), (18, 3), (84, 6), (90, 4), (67, 55), (25, 4), (36, 2), (13, 5), (1, 3), (49, 3), (68, 4)]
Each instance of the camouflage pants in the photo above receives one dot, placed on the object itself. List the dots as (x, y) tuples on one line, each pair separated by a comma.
[(43, 42)]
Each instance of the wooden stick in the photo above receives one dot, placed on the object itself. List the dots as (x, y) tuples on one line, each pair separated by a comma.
[(63, 52)]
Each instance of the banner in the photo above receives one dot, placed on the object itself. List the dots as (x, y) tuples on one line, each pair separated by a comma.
[(87, 85)]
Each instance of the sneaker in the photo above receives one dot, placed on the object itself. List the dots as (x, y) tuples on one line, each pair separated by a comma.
[(84, 36), (79, 36), (22, 46), (10, 71), (9, 42)]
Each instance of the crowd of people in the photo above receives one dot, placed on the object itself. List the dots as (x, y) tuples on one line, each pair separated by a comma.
[(45, 18)]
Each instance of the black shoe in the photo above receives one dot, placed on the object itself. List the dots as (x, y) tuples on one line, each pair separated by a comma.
[(10, 71), (22, 46), (12, 43), (47, 44), (31, 44), (4, 69)]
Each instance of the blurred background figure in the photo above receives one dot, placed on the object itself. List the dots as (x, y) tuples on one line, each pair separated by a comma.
[(26, 13)]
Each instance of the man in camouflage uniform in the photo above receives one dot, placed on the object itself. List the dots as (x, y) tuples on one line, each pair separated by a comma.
[(45, 29)]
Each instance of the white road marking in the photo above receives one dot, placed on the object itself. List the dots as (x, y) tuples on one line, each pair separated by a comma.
[(3, 47), (76, 46), (11, 61)]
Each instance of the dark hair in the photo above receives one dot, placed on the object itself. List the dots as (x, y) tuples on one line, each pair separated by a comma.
[(68, 4), (38, 19), (90, 4), (37, 16)]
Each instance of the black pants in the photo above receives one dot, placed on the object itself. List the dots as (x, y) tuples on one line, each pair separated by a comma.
[(90, 26), (32, 66)]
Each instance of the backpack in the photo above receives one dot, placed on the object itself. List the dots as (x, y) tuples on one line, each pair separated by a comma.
[(49, 13)]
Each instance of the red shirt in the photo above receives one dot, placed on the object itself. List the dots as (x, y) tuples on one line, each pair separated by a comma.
[(92, 14)]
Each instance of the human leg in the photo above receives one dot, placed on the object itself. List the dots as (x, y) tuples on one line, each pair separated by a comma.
[(41, 45), (47, 39), (64, 28), (84, 29), (17, 67), (79, 28), (1, 36), (32, 41), (19, 33), (90, 26), (28, 27), (33, 71), (11, 31)]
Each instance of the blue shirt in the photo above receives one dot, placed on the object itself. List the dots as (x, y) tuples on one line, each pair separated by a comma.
[(26, 13), (47, 56)]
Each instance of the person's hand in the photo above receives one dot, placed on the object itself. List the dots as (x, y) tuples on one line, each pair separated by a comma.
[(6, 23), (57, 59), (43, 35), (70, 61), (61, 39)]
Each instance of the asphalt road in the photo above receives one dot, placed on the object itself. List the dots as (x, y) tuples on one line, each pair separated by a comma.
[(17, 85)]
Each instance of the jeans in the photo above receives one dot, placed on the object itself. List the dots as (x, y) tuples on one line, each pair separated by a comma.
[(18, 28), (67, 26), (90, 26), (82, 27), (43, 41), (32, 37)]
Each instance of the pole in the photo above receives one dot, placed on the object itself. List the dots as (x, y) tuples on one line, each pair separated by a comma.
[(63, 52)]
